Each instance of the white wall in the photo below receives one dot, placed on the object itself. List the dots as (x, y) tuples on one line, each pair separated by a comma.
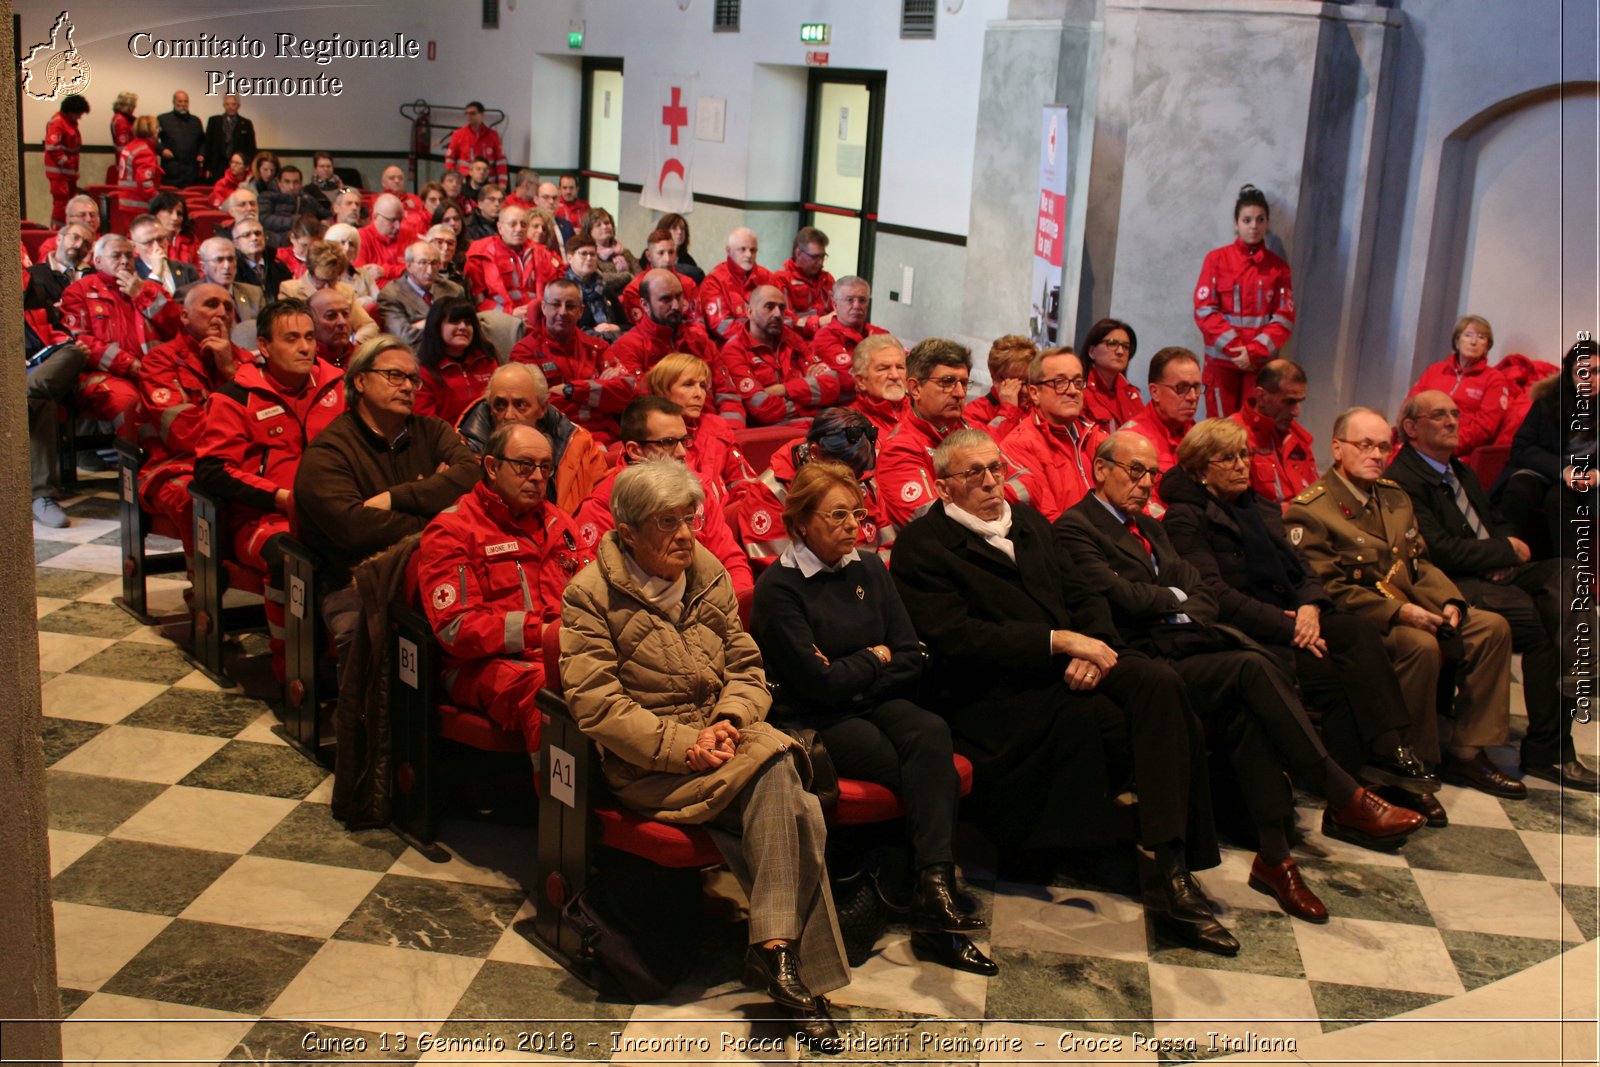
[(1459, 63)]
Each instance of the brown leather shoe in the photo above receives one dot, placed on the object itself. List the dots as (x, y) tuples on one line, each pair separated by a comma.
[(1283, 881), (1480, 773), (1369, 821), (1424, 804)]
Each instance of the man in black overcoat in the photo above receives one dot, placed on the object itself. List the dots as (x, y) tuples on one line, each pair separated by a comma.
[(1056, 714)]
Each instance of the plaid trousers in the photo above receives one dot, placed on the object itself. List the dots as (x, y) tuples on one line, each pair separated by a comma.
[(773, 837)]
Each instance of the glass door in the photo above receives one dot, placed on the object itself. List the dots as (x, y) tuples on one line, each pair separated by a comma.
[(844, 135), (600, 154)]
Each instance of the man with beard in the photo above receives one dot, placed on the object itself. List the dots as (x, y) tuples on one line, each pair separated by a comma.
[(764, 362), (660, 252)]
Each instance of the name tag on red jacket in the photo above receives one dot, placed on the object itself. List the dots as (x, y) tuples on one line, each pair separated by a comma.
[(267, 413), (500, 549)]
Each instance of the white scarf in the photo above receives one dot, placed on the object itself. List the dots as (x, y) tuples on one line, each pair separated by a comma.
[(993, 532), (662, 594)]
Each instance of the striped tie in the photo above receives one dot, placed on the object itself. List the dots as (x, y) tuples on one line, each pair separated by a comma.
[(1465, 505)]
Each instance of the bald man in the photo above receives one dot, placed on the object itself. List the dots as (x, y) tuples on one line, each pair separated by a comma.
[(330, 320), (725, 295), (384, 239), (765, 362)]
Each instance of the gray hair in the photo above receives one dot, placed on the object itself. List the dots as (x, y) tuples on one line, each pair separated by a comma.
[(342, 231), (496, 445), (213, 245), (649, 488), (869, 347), (1347, 414), (365, 356), (416, 249), (850, 281), (105, 241), (1107, 449), (541, 386), (944, 456), (82, 199)]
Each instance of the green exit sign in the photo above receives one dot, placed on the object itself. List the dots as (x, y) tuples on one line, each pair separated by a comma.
[(815, 32), (575, 39)]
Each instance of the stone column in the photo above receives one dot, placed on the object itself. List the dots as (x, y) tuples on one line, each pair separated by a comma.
[(27, 927)]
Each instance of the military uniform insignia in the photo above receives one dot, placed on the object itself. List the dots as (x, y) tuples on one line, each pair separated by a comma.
[(1296, 533), (1344, 509), (861, 594), (1411, 534), (1310, 493)]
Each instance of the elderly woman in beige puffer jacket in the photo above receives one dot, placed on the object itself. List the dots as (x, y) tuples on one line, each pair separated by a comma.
[(661, 675)]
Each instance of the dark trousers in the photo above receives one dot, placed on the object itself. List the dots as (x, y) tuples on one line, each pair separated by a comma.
[(1257, 719), (1151, 735), (907, 748), (1534, 601), (1353, 686), (51, 382)]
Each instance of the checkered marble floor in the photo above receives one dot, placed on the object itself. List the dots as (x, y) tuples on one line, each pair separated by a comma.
[(209, 909)]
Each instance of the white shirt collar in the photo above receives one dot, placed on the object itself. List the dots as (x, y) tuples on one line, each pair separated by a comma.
[(800, 556)]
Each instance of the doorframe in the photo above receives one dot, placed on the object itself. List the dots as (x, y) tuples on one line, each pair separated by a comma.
[(876, 82), (586, 100)]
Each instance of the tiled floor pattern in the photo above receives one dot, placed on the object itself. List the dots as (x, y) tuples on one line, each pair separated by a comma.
[(208, 908)]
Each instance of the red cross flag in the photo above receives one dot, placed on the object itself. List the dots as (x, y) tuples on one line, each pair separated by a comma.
[(668, 184)]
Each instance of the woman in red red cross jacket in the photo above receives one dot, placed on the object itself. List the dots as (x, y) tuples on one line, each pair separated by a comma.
[(1244, 306)]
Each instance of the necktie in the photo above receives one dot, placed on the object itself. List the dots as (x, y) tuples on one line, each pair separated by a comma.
[(1138, 535), (1465, 505)]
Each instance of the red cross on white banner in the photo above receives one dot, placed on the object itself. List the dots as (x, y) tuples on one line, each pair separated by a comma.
[(672, 146)]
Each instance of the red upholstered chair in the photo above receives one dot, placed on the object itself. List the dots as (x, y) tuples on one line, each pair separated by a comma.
[(34, 239), (1487, 462), (135, 525), (206, 222), (758, 443)]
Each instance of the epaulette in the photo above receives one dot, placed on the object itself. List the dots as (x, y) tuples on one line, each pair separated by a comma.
[(1391, 483), (1310, 493)]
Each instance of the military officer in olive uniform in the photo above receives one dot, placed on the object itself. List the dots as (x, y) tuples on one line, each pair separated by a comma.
[(1358, 531)]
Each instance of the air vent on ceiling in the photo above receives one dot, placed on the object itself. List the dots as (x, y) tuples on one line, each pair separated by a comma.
[(725, 16), (917, 18), (491, 14)]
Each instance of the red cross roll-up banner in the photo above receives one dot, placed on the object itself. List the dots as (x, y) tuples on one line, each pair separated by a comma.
[(669, 181), (1050, 227)]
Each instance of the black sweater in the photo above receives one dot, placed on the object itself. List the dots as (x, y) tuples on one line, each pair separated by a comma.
[(843, 613)]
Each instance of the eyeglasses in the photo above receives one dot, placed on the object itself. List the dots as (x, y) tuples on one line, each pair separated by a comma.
[(852, 434), (1000, 470), (818, 256), (387, 218), (1382, 448), (396, 378), (837, 516), (1181, 389), (1441, 414), (527, 468), (668, 443), (1120, 346), (1231, 458), (1063, 384), (668, 524), (950, 383), (563, 305), (1139, 472)]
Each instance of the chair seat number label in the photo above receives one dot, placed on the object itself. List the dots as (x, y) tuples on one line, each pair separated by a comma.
[(297, 597), (408, 662), (127, 485), (202, 538), (561, 775)]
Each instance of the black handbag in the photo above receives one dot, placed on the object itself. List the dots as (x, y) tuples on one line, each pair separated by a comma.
[(620, 960), (863, 915), (824, 776)]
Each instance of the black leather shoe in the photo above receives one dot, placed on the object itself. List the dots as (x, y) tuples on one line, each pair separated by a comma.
[(955, 951), (776, 972), (815, 1030), (1481, 774), (933, 903), (1179, 909), (1573, 774), (1401, 769)]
